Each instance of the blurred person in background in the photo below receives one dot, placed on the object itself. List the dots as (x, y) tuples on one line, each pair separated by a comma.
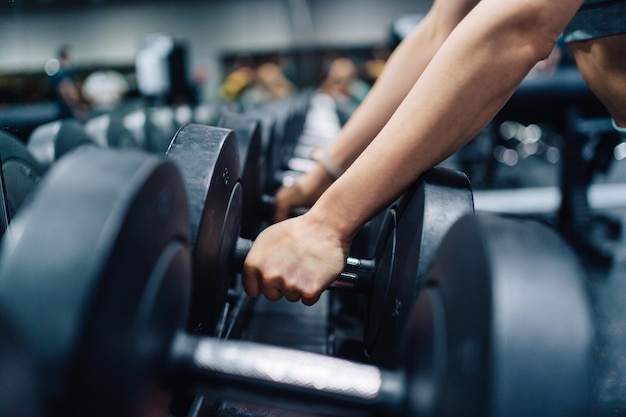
[(342, 81), (64, 87)]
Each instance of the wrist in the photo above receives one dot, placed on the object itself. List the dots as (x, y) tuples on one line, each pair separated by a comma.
[(315, 182), (331, 213), (324, 160), (324, 223)]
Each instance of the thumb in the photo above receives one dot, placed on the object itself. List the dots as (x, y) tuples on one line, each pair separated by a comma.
[(251, 281)]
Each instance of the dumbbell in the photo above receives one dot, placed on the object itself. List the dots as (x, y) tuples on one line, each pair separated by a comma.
[(208, 159), (109, 131), (289, 117), (21, 171), (145, 124), (104, 305), (257, 206), (281, 125), (321, 126), (50, 141)]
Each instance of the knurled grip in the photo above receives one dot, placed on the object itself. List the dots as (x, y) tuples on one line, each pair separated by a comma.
[(252, 367), (280, 366)]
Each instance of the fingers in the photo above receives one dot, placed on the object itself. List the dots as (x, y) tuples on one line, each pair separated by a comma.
[(254, 286), (292, 296), (276, 289), (309, 301), (273, 289), (271, 293)]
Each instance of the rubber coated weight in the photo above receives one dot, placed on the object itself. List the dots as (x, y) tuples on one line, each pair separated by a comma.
[(425, 212), (139, 122), (258, 207), (109, 131), (503, 325), (21, 171), (51, 141), (248, 132), (285, 127), (209, 160), (4, 205), (110, 235)]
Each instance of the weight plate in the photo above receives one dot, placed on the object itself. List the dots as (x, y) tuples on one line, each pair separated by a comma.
[(248, 132), (426, 212), (518, 328), (426, 358), (272, 129), (209, 161), (109, 131), (21, 171), (95, 275), (385, 269), (50, 141)]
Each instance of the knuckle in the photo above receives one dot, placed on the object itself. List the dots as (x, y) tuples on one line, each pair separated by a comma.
[(272, 295), (309, 301), (292, 297), (309, 294)]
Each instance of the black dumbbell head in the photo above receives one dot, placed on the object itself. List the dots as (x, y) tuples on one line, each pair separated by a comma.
[(503, 326), (93, 287), (424, 214), (209, 161), (22, 173)]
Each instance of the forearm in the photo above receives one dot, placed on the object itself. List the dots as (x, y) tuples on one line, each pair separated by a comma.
[(475, 71), (402, 69)]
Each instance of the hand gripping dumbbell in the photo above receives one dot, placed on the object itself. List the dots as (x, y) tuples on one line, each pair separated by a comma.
[(258, 207), (104, 304), (411, 230)]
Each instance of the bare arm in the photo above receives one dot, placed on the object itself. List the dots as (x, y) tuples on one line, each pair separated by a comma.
[(469, 79), (401, 71)]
